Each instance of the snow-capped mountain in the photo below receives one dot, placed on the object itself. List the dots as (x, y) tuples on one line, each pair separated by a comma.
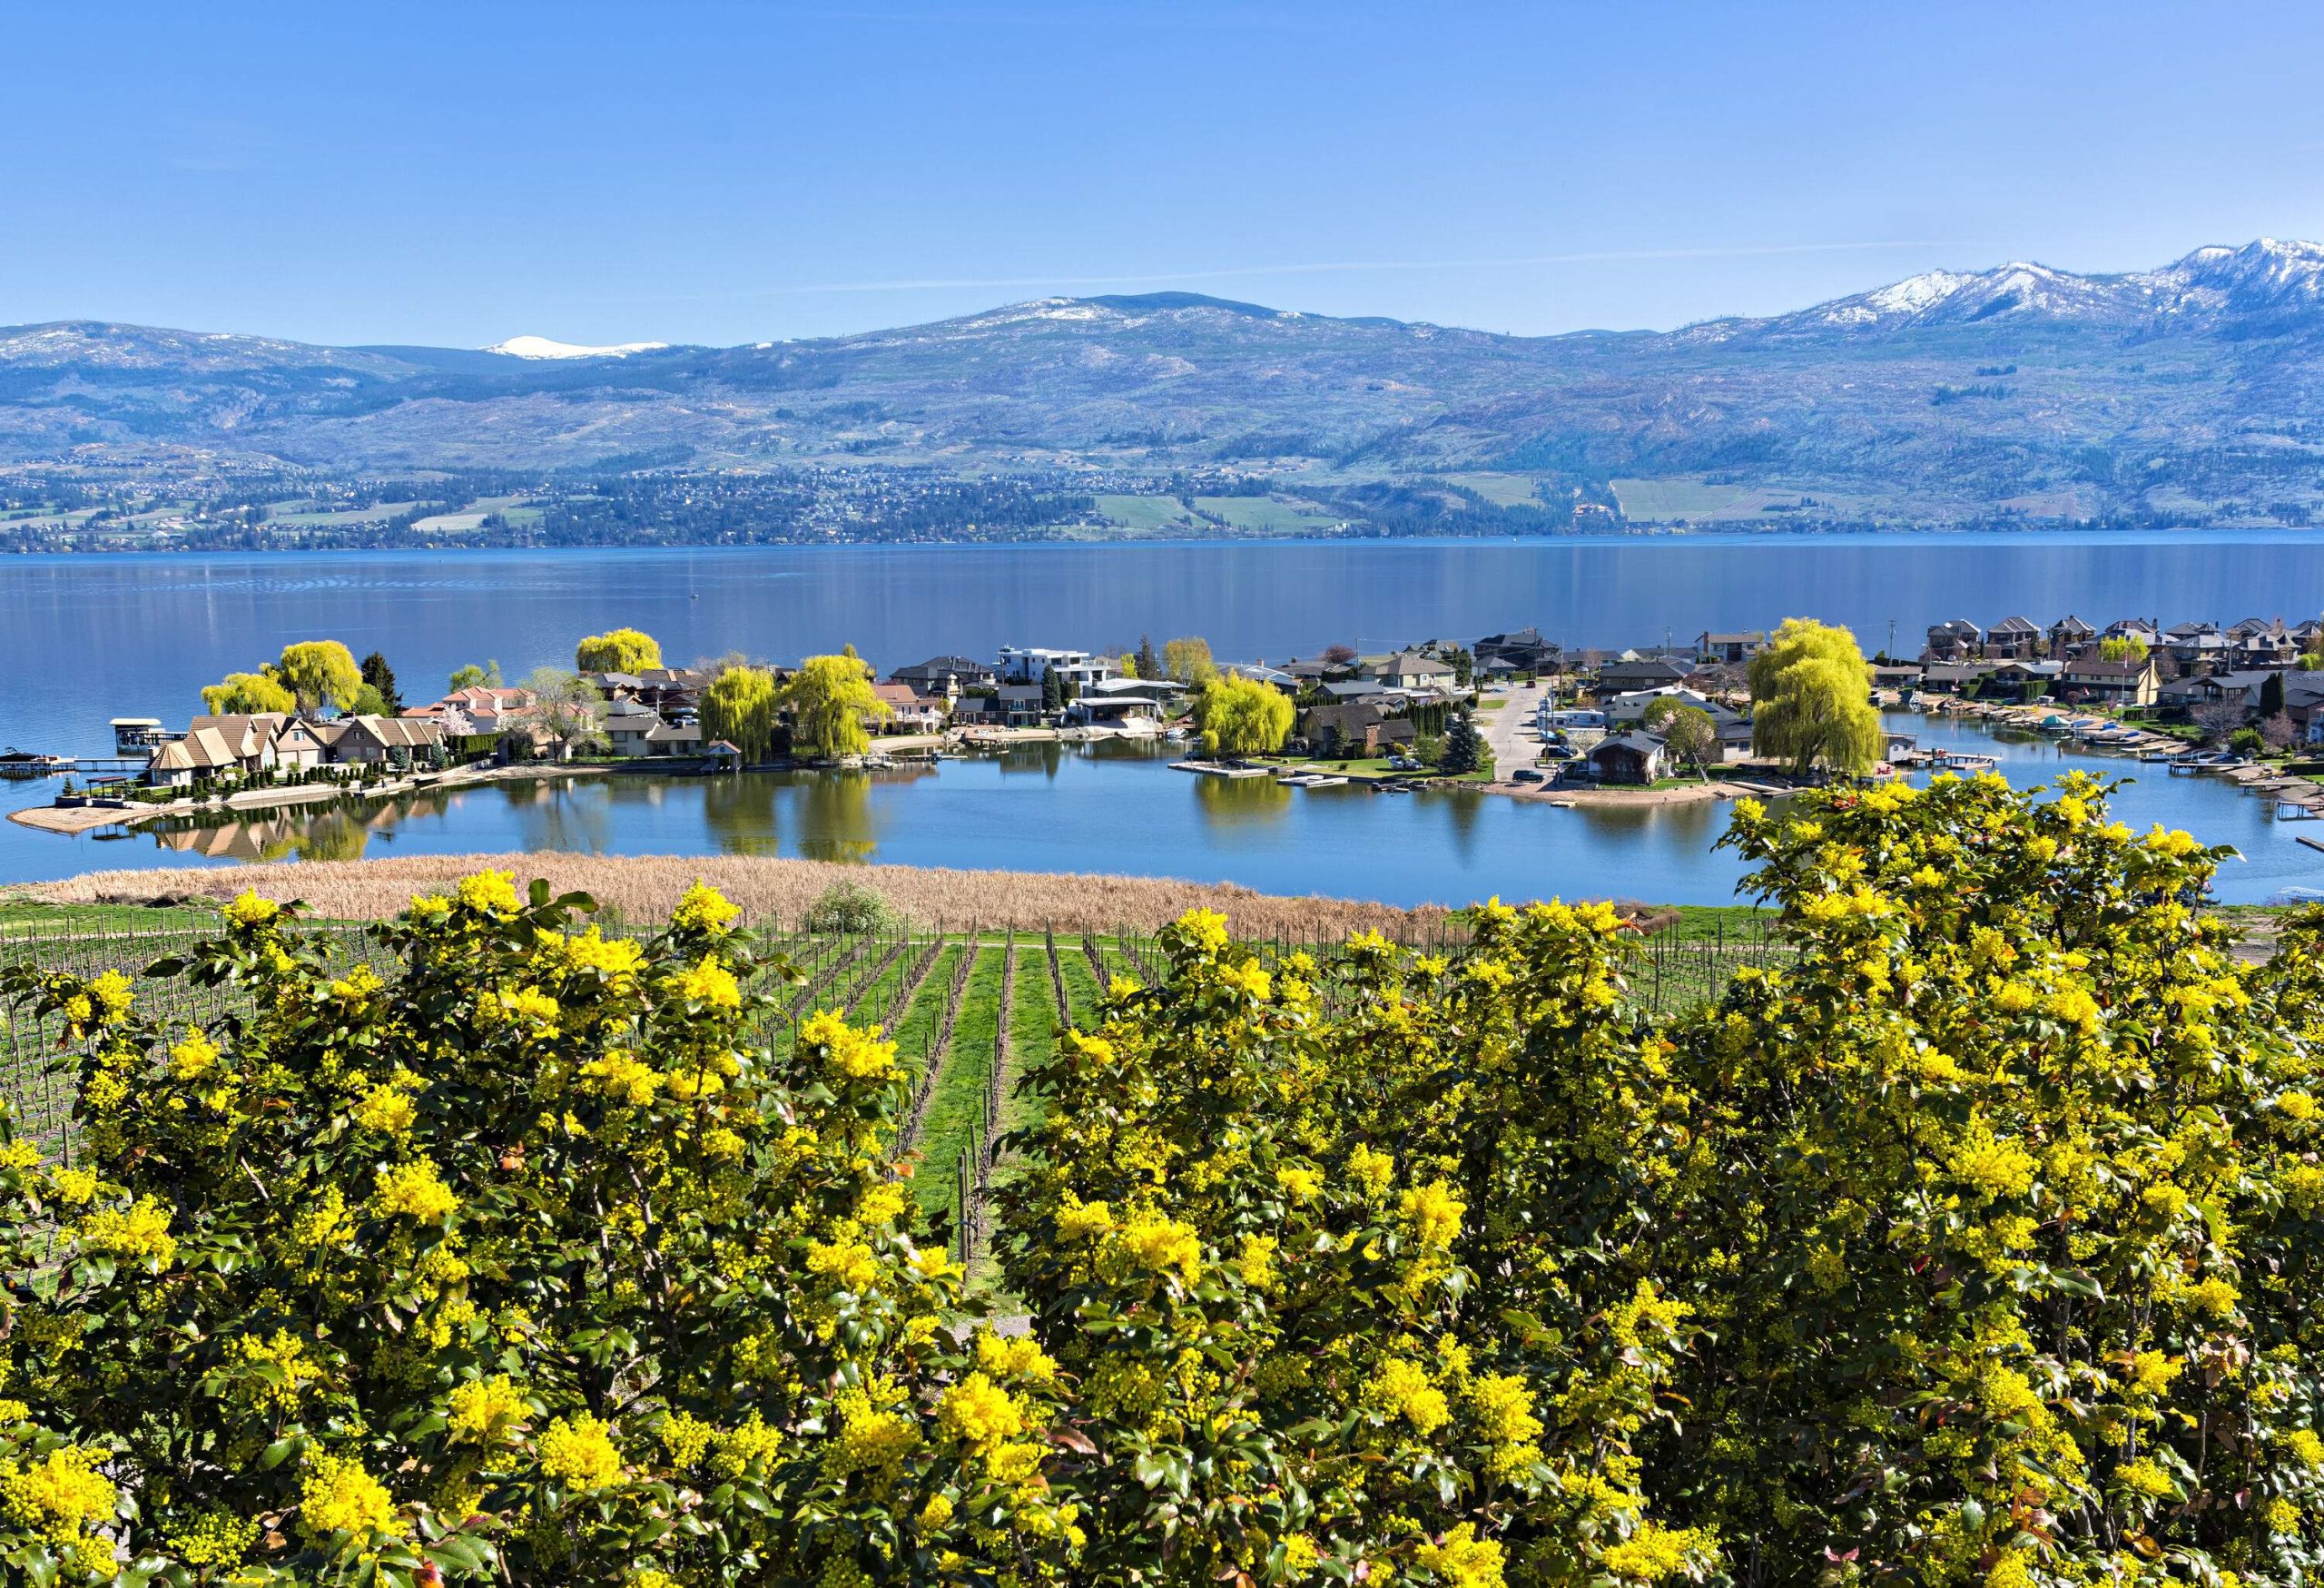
[(2267, 279)]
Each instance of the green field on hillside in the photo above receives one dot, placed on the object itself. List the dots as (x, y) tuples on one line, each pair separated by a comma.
[(1268, 514)]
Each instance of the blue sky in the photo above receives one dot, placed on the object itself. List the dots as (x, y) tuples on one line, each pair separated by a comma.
[(738, 172)]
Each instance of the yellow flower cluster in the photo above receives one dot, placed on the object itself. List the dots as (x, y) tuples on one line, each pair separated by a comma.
[(337, 1495), (140, 1233), (413, 1189), (979, 1413), (1161, 1245), (621, 1077), (704, 909), (489, 893), (248, 912), (63, 1497), (709, 984), (858, 1055), (578, 1452), (481, 1411)]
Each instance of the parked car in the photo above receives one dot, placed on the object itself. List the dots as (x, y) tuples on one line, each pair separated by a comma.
[(1528, 775)]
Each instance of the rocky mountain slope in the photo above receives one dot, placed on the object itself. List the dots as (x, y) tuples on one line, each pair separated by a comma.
[(2187, 393)]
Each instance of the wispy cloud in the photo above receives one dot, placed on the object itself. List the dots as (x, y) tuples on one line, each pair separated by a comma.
[(1332, 267)]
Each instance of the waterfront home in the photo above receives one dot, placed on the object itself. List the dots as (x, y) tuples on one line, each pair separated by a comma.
[(909, 710), (675, 739), (1632, 757), (2024, 678), (1649, 673), (289, 741), (1122, 702), (2013, 638), (2069, 637), (946, 677), (1730, 648), (201, 755), (2199, 648), (1523, 650), (678, 691), (1956, 639), (1033, 663), (2239, 688), (2263, 643), (1412, 670), (374, 741), (628, 724), (2085, 678), (1898, 676), (1952, 677), (2304, 704), (1364, 727), (1019, 705)]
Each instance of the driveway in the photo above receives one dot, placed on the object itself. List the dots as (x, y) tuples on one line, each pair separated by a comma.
[(1506, 729)]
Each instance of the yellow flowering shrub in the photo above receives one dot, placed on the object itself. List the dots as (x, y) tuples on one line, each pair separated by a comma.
[(1973, 1240)]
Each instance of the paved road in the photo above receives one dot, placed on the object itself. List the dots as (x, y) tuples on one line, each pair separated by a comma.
[(1504, 730)]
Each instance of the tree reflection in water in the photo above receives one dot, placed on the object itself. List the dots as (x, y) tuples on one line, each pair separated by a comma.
[(1237, 802), (835, 816)]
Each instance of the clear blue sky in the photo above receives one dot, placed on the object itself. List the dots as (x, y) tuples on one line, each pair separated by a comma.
[(724, 174)]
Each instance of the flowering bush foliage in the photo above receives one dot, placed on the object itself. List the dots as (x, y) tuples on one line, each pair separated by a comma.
[(1975, 1245)]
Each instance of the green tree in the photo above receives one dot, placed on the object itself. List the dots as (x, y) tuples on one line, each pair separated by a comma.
[(1811, 700), (1691, 731), (2123, 647), (830, 698), (1149, 665), (242, 693), (619, 650), (1465, 749), (318, 673), (471, 676), (1241, 716), (567, 710), (369, 702), (382, 678), (1188, 661), (741, 706), (2271, 694), (1052, 691), (1126, 665)]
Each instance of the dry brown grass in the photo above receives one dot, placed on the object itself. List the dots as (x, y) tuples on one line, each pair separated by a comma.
[(645, 887)]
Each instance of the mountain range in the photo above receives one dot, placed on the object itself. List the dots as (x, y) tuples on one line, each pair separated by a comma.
[(2186, 394)]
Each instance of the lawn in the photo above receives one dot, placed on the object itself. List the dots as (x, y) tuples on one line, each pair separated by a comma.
[(957, 1105), (1502, 490), (1146, 514), (1268, 514)]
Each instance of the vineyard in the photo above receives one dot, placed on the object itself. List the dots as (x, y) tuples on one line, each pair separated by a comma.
[(969, 1008)]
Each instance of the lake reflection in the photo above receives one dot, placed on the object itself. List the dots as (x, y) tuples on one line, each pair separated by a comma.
[(1118, 807)]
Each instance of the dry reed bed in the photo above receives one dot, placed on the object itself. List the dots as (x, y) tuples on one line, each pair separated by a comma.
[(645, 887)]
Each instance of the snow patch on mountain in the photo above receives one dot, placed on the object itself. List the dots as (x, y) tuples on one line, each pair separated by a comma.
[(541, 347)]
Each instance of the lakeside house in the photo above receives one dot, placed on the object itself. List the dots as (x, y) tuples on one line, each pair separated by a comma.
[(2115, 684), (1412, 670), (236, 748), (1521, 650), (1074, 669), (909, 710), (1631, 757), (947, 677)]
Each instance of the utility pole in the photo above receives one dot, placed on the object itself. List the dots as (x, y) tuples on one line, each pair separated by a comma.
[(1891, 652)]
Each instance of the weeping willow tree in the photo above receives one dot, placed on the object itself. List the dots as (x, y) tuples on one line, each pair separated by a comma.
[(1811, 700), (740, 706)]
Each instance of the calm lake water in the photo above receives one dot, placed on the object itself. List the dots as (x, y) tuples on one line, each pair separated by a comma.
[(83, 639), (1118, 807)]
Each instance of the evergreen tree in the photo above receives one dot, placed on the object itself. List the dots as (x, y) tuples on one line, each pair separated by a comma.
[(1464, 747), (382, 677), (2271, 694), (1052, 691), (1149, 665)]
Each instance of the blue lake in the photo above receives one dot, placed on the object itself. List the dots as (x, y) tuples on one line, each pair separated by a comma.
[(83, 639)]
